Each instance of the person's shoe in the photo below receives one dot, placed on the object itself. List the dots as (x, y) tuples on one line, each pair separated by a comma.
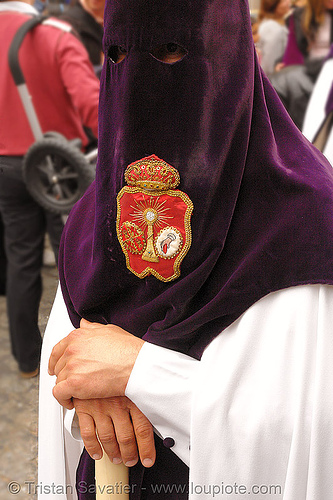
[(29, 374)]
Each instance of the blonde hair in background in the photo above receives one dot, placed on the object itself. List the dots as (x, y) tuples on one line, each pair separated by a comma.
[(314, 11)]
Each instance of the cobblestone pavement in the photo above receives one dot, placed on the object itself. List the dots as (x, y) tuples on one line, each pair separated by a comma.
[(19, 409)]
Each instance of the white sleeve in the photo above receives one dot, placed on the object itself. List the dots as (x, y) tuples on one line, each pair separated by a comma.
[(161, 385)]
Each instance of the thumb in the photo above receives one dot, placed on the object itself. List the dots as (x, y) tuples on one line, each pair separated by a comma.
[(84, 323)]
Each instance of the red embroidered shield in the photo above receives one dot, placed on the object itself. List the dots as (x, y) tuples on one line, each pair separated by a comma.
[(153, 219)]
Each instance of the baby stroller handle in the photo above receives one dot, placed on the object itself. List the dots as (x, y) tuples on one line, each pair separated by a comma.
[(16, 71)]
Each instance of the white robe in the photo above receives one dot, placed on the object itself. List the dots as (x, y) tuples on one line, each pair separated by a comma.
[(254, 417), (315, 112)]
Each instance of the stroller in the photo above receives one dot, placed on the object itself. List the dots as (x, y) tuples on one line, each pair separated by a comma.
[(55, 170)]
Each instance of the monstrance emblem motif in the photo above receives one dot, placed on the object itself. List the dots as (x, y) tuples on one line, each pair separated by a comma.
[(153, 219)]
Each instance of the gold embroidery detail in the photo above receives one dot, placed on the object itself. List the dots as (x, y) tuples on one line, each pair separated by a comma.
[(132, 237), (151, 173), (154, 178)]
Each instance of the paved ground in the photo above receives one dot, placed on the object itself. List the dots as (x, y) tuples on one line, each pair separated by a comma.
[(19, 409)]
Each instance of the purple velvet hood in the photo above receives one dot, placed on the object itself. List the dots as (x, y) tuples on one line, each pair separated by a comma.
[(262, 195)]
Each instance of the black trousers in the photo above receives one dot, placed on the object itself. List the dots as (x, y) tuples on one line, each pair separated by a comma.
[(25, 225), (3, 260)]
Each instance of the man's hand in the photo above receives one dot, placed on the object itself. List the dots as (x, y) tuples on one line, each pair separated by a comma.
[(121, 428), (94, 361)]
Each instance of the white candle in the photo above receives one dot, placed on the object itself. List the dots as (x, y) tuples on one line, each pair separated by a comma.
[(112, 481)]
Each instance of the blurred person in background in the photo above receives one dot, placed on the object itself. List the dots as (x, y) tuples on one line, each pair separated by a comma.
[(309, 41), (273, 32), (64, 90), (86, 17), (298, 3)]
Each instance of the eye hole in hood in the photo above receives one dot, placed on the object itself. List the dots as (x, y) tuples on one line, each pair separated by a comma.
[(117, 53), (169, 53)]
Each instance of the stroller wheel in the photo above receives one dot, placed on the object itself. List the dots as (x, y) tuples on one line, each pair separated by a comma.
[(56, 173)]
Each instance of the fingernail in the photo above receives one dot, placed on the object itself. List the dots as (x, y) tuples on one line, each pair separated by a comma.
[(97, 457), (130, 463), (147, 462), (117, 461)]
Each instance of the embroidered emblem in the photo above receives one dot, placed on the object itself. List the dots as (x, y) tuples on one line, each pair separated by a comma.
[(153, 219)]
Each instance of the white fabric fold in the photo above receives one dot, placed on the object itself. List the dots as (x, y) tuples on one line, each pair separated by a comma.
[(58, 452), (265, 386)]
